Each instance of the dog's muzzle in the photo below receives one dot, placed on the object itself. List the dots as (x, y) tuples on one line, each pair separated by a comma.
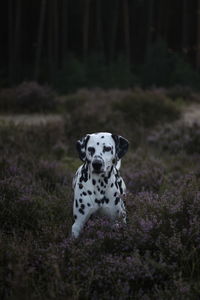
[(97, 165)]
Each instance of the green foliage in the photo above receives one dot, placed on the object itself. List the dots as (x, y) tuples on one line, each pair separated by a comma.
[(157, 65), (95, 72), (183, 74), (120, 75), (162, 67), (72, 75)]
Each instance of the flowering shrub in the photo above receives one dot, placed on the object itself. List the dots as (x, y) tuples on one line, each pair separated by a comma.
[(156, 255), (34, 140), (31, 191), (28, 97), (181, 92), (144, 173), (175, 139), (130, 113), (147, 108)]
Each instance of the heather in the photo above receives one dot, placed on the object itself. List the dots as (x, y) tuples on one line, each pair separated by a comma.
[(155, 256)]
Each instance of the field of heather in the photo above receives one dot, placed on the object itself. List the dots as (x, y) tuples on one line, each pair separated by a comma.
[(157, 254)]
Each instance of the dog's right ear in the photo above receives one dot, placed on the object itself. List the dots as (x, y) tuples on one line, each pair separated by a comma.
[(81, 147)]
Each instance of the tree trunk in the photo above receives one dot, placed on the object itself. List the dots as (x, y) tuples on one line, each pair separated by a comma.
[(50, 40), (198, 36), (99, 37), (184, 42), (86, 20), (17, 44), (10, 40), (114, 24), (64, 30), (126, 29), (160, 19), (40, 38), (56, 39), (150, 25)]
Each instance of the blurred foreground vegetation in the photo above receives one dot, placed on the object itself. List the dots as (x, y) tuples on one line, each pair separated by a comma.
[(156, 255)]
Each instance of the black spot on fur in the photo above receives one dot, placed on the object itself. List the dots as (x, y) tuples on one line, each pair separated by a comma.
[(84, 193), (117, 200), (82, 206), (80, 200), (80, 186), (109, 174), (88, 204), (97, 201), (106, 200), (106, 149), (84, 173), (120, 187), (91, 150), (106, 180), (115, 194), (75, 217), (102, 137), (81, 211), (93, 181), (89, 192), (76, 203), (111, 185)]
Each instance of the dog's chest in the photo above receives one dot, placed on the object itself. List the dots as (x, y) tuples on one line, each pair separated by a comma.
[(97, 189)]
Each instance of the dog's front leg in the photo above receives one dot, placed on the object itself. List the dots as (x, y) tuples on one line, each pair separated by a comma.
[(76, 229), (81, 217)]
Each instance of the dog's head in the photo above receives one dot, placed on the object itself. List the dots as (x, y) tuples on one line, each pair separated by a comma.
[(101, 150)]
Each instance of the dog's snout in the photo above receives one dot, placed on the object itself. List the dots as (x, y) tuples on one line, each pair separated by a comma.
[(97, 165)]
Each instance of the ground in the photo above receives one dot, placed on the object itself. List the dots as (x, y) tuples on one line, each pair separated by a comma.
[(190, 115)]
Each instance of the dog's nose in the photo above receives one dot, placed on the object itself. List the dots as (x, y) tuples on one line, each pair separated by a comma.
[(97, 165)]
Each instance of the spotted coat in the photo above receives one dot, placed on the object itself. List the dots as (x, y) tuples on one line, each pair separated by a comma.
[(97, 184)]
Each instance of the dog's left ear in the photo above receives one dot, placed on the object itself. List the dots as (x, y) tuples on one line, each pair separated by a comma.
[(81, 147), (121, 145)]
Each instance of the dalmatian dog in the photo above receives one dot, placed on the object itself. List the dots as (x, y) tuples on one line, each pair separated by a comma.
[(98, 186)]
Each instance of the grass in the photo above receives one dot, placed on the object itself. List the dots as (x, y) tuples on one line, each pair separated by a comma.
[(155, 256)]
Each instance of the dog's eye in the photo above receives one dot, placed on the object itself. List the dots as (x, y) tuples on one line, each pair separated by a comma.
[(91, 150), (106, 149)]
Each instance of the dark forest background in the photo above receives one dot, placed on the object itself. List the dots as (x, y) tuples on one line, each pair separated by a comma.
[(72, 67), (115, 43)]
